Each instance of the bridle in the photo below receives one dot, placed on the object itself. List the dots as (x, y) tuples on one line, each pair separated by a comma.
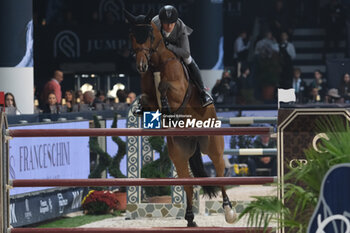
[(148, 52)]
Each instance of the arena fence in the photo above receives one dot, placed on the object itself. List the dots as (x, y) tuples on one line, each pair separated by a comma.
[(6, 184)]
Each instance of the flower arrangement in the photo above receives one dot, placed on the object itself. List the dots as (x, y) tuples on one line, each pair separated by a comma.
[(100, 202)]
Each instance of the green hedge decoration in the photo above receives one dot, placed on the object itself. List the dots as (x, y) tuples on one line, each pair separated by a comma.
[(159, 168), (106, 162)]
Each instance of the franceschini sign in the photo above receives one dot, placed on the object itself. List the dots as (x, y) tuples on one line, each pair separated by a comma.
[(49, 157)]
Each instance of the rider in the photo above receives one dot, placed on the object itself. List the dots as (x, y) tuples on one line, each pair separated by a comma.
[(175, 34)]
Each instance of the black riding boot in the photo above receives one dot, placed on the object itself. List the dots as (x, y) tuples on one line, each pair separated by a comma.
[(196, 77), (138, 111)]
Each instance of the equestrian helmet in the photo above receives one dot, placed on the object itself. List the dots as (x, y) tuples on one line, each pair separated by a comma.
[(168, 14)]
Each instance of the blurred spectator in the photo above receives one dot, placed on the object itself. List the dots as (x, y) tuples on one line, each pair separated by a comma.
[(269, 163), (268, 68), (121, 106), (267, 46), (299, 86), (225, 89), (79, 97), (287, 54), (347, 23), (279, 19), (245, 91), (334, 22), (287, 46), (69, 19), (344, 87), (101, 95), (53, 86), (240, 48), (91, 100), (10, 104), (70, 100), (333, 96), (51, 105), (94, 20), (131, 97), (238, 142), (121, 94), (320, 84), (315, 97)]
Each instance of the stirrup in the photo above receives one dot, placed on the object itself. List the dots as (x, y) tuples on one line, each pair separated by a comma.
[(138, 111), (206, 99)]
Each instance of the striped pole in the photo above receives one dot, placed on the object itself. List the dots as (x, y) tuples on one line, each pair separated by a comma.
[(252, 152), (248, 120)]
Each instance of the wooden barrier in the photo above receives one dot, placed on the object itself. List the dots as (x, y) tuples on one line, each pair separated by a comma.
[(212, 181), (138, 132), (138, 230)]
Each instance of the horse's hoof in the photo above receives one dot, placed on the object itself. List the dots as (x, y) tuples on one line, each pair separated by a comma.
[(230, 215), (192, 224)]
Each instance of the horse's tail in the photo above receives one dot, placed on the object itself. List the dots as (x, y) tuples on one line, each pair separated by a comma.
[(197, 167)]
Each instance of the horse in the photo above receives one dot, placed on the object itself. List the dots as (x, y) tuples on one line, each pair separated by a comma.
[(177, 96)]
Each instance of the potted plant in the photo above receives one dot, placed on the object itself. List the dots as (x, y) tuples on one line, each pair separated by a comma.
[(268, 71), (305, 192), (99, 202), (159, 168)]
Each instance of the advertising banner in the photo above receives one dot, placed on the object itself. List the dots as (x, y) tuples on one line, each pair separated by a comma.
[(44, 206), (298, 130), (49, 157)]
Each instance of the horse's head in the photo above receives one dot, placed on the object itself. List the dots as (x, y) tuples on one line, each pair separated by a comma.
[(142, 38)]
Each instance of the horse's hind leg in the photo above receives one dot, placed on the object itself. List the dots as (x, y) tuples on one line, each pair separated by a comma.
[(215, 152)]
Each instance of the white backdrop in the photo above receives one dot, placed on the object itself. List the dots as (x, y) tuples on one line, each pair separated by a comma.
[(210, 77), (19, 81)]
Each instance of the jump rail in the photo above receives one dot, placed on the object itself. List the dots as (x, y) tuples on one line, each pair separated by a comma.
[(138, 230), (251, 151), (248, 120), (138, 132), (213, 181)]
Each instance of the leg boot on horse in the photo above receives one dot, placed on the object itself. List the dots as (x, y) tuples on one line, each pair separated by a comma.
[(196, 77)]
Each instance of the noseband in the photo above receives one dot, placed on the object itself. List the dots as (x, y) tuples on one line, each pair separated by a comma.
[(148, 51)]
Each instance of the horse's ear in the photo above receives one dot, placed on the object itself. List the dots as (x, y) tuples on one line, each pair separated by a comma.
[(149, 16), (130, 17)]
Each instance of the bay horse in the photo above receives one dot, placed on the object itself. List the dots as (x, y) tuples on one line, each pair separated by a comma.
[(179, 96)]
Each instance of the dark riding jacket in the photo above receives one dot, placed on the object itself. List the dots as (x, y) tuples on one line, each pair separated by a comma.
[(177, 41)]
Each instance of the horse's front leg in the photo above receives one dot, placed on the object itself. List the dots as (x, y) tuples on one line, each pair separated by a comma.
[(163, 88), (148, 100), (181, 165)]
